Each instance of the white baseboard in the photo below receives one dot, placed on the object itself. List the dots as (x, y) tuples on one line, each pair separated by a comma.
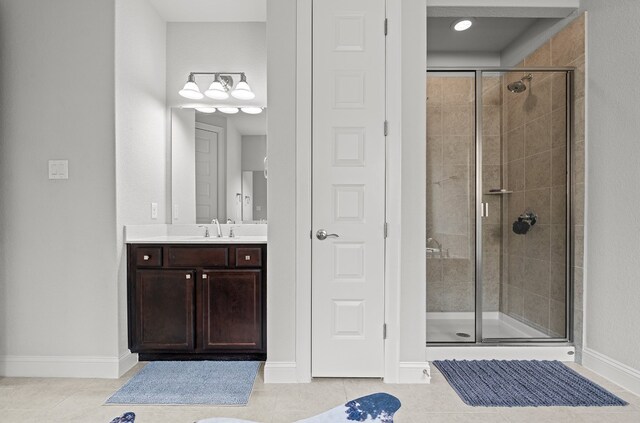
[(127, 361), (67, 366), (414, 372), (280, 372), (620, 374)]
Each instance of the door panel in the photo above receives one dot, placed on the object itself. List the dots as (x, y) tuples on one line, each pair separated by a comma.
[(348, 188), (206, 175), (164, 307), (231, 310)]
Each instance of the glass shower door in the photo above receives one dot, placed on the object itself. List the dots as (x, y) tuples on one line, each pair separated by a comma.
[(524, 205), (451, 169)]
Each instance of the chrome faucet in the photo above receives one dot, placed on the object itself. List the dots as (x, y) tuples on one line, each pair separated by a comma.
[(215, 222), (435, 241), (431, 251)]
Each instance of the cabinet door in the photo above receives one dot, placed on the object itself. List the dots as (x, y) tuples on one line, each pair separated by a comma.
[(232, 310), (164, 310)]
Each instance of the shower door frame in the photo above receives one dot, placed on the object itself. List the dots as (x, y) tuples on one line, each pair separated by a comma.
[(479, 204)]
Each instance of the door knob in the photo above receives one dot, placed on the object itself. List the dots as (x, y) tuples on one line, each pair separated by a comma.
[(322, 235)]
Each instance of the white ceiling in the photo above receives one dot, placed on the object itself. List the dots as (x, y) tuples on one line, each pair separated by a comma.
[(211, 10), (487, 35)]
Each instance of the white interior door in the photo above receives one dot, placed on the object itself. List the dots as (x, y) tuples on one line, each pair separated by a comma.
[(348, 188), (206, 173)]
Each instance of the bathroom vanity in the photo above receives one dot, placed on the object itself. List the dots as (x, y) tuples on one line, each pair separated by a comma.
[(197, 298)]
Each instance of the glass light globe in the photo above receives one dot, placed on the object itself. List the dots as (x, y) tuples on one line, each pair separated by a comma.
[(216, 91), (243, 91), (229, 110), (252, 110), (191, 91)]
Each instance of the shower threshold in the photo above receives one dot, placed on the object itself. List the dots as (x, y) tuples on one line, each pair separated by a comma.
[(561, 352), (504, 338)]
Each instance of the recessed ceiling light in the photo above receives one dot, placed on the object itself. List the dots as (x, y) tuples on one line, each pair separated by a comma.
[(462, 24)]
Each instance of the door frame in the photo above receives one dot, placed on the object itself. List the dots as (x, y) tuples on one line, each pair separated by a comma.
[(395, 370)]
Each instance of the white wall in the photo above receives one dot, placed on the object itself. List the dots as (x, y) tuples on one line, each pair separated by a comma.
[(281, 203), (254, 150), (215, 47), (234, 172), (141, 129), (469, 59), (58, 269), (183, 152), (612, 196)]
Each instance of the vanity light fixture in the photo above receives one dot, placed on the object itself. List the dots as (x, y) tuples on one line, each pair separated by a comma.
[(462, 24), (243, 90), (219, 88), (229, 110), (205, 109), (190, 89), (252, 110)]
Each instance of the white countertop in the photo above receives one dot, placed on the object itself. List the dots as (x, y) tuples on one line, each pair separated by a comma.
[(193, 239), (194, 234)]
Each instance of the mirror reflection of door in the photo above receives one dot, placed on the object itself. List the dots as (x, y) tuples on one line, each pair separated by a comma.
[(212, 156), (206, 157)]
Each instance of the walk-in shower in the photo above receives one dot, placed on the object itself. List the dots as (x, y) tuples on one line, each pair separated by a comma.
[(499, 245)]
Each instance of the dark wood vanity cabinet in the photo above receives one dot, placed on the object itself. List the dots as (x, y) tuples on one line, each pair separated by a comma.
[(197, 301)]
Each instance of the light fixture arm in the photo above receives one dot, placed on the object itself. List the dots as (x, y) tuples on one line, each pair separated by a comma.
[(224, 77)]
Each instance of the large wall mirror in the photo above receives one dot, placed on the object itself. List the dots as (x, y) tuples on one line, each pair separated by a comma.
[(218, 134), (218, 167)]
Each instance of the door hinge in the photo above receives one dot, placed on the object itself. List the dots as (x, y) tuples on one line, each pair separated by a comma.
[(386, 128), (386, 26), (384, 331), (386, 230)]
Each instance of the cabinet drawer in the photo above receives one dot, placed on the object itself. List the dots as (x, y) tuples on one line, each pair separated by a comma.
[(198, 256), (248, 257), (149, 256)]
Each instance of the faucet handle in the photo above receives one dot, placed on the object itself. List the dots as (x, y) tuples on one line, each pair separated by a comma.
[(206, 230)]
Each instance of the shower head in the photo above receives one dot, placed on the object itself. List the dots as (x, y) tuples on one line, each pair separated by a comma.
[(519, 86)]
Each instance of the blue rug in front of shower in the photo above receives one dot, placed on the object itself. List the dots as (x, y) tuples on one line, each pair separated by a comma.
[(190, 382), (523, 383)]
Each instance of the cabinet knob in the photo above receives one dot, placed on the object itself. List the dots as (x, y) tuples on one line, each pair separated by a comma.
[(188, 276), (204, 276), (146, 258), (247, 258)]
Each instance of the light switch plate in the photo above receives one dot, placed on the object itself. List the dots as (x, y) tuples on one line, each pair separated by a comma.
[(58, 169)]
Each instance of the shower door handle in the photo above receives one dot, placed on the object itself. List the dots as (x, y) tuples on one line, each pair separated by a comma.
[(484, 209)]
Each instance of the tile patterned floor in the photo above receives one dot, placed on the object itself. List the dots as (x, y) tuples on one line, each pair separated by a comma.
[(27, 400)]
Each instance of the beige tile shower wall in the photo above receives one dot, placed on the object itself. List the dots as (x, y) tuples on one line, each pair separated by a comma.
[(535, 166), (491, 179), (450, 172), (450, 192)]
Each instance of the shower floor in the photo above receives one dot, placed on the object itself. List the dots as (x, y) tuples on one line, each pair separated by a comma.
[(451, 327)]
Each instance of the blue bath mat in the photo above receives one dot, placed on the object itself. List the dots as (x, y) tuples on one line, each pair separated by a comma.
[(190, 382), (523, 383)]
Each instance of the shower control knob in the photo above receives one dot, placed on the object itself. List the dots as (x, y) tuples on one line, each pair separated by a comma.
[(322, 235)]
